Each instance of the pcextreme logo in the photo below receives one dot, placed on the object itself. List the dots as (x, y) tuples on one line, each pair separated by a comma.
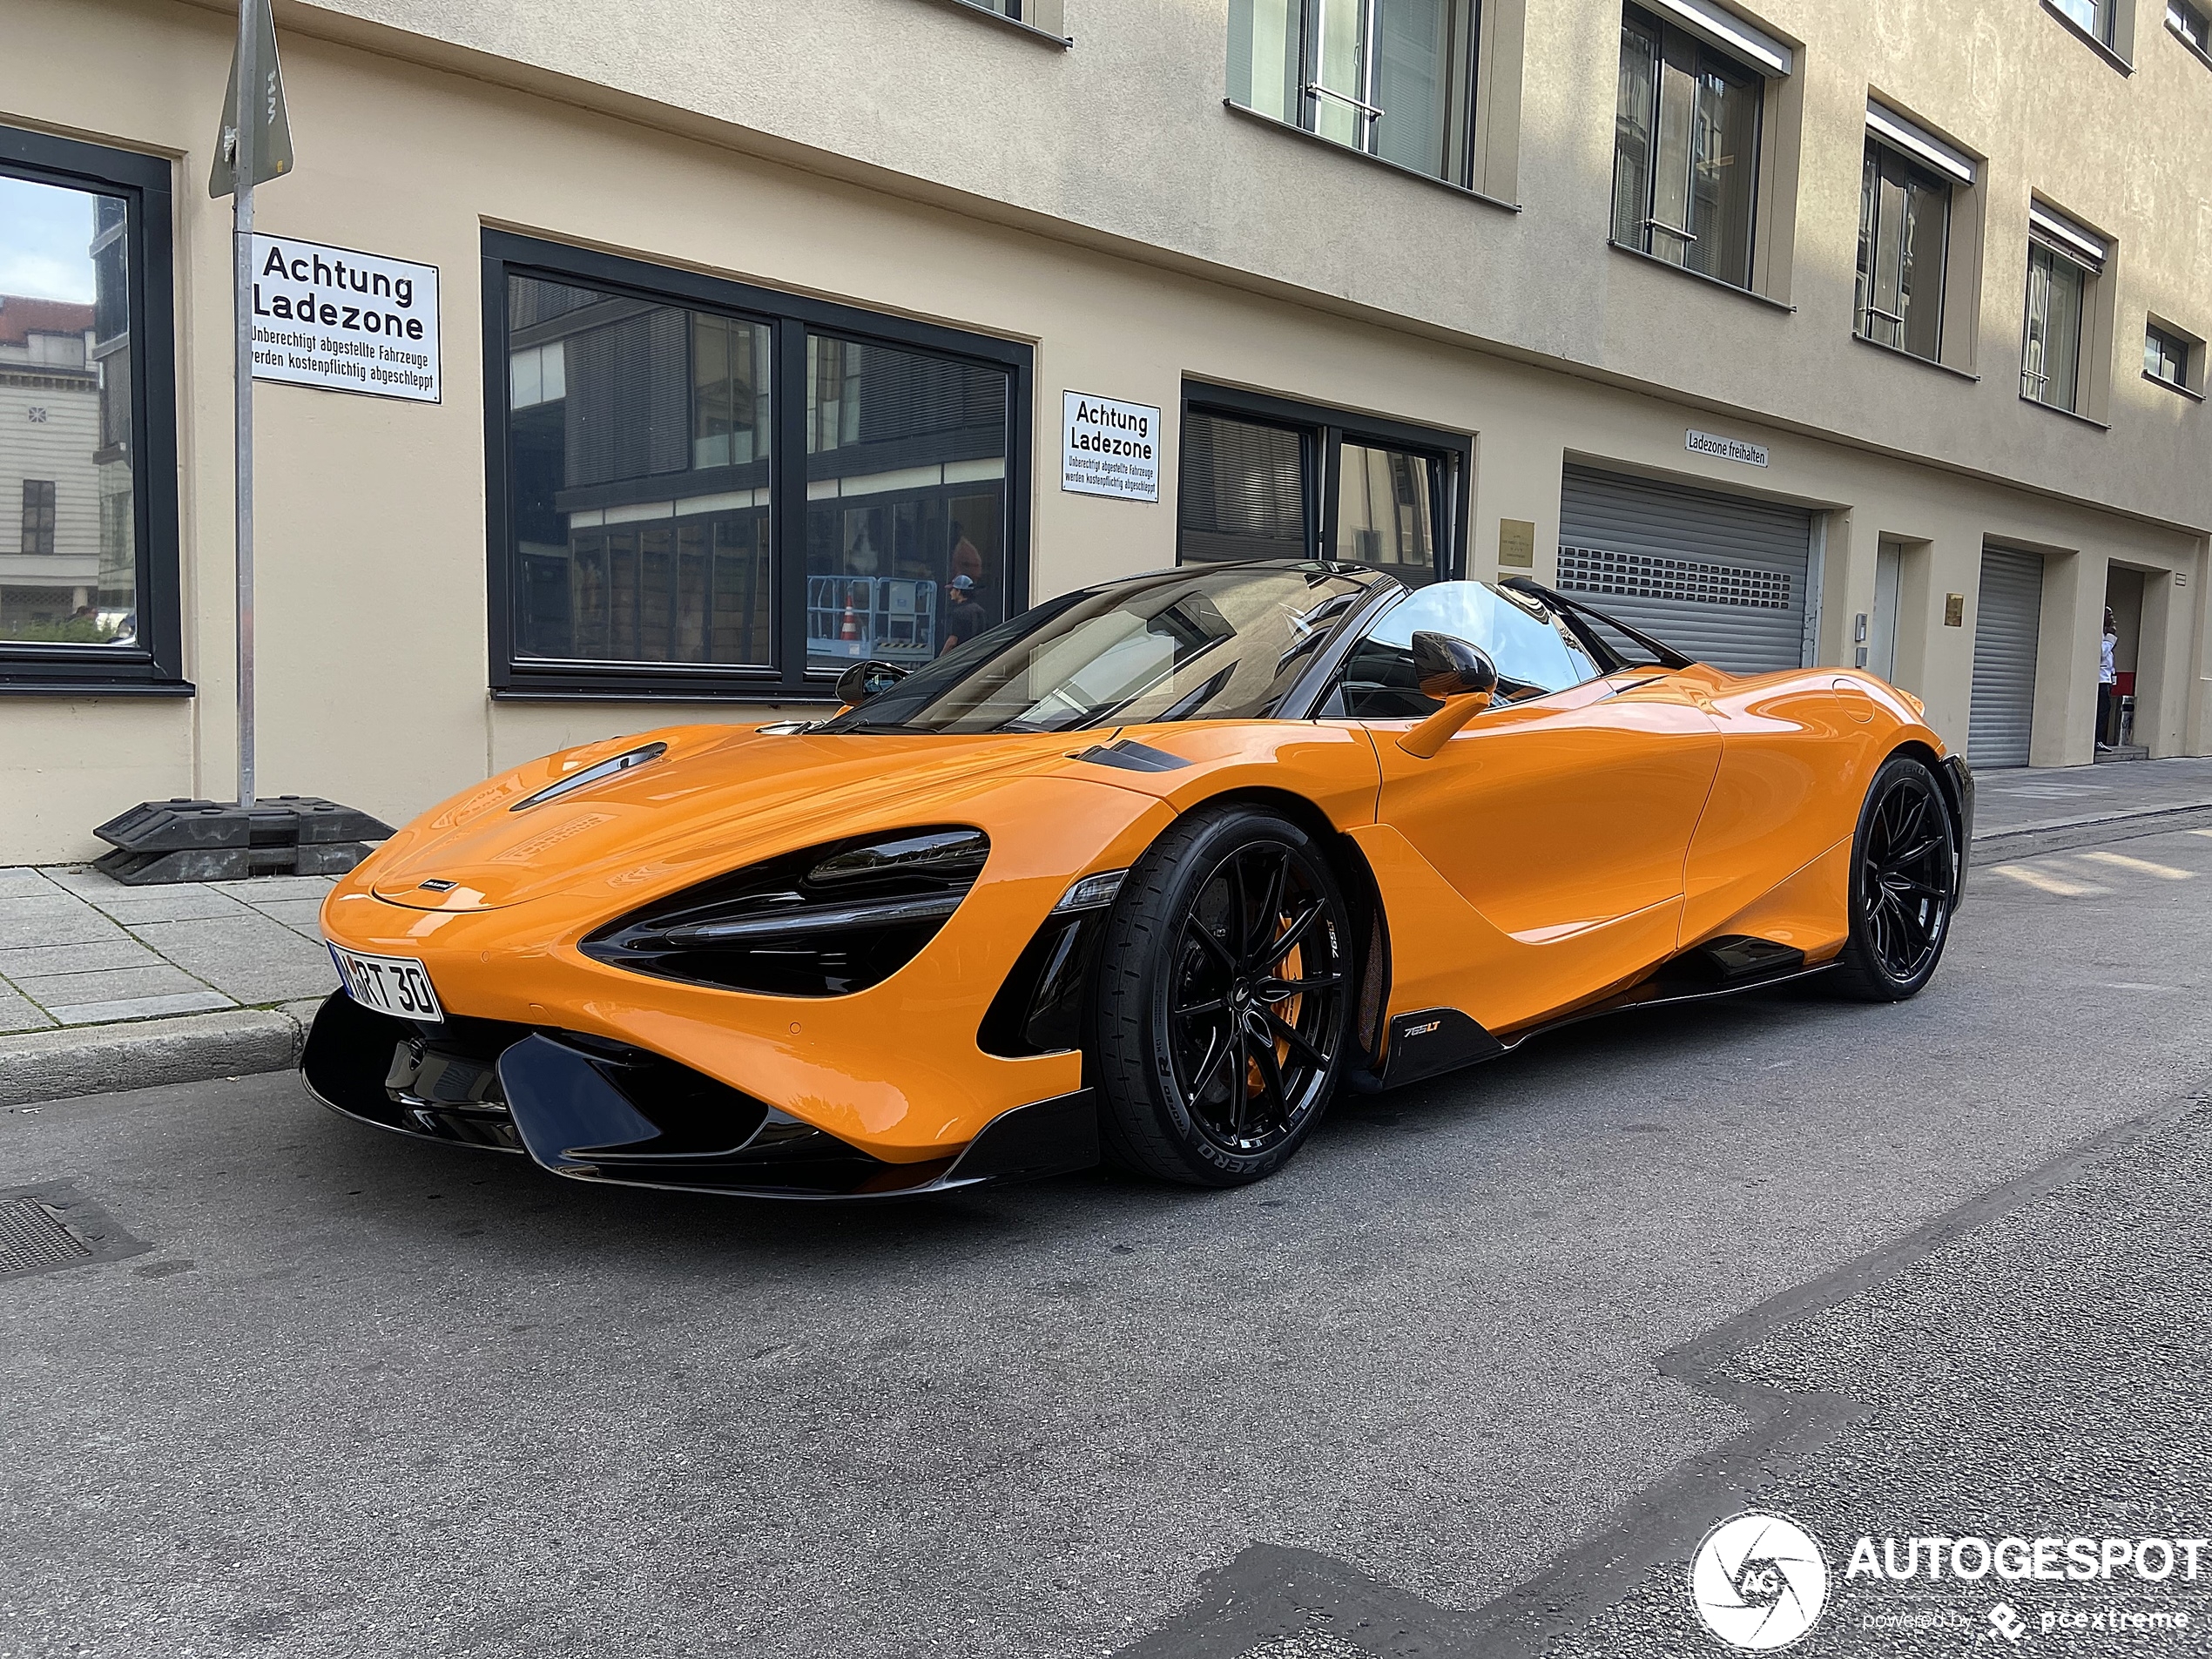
[(1759, 1582)]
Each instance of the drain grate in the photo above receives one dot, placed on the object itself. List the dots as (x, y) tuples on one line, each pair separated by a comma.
[(33, 1239)]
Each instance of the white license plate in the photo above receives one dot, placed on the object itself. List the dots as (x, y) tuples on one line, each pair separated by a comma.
[(398, 986)]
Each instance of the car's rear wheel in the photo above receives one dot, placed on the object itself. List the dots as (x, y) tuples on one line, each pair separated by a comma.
[(1904, 883), (1224, 1003)]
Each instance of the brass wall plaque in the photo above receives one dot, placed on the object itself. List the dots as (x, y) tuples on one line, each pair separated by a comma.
[(1954, 610), (1517, 542)]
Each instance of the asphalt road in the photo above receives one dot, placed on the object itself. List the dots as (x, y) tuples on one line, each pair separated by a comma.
[(1463, 1379)]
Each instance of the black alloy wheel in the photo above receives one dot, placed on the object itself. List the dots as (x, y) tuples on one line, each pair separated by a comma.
[(1225, 1000), (1905, 884)]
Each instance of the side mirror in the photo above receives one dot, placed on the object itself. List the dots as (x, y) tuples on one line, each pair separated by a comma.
[(1459, 676), (864, 680), (1445, 667)]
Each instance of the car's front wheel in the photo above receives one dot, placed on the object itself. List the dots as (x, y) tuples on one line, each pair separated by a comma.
[(1905, 882), (1224, 1003)]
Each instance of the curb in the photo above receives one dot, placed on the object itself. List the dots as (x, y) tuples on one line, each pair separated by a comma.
[(184, 1048)]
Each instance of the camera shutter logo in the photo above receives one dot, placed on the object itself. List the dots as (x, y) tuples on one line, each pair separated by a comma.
[(1759, 1582)]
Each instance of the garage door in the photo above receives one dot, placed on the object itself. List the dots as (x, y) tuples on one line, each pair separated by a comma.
[(2008, 619), (1717, 577)]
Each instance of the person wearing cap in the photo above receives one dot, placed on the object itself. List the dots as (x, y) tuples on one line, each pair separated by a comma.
[(964, 618)]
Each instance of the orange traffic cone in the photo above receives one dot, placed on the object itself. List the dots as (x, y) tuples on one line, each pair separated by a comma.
[(850, 629)]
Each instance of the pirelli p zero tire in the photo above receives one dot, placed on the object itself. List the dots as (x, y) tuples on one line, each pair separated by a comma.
[(1224, 1003), (1904, 885)]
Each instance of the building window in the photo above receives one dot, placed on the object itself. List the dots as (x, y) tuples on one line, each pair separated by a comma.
[(2063, 264), (2093, 17), (2192, 24), (1392, 79), (715, 490), (39, 518), (2166, 357), (87, 438), (1263, 478), (1046, 15), (1686, 150), (1904, 233)]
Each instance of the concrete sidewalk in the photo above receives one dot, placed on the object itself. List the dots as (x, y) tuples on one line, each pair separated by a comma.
[(105, 988)]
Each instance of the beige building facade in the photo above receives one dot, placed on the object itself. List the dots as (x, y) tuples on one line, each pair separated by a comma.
[(1808, 332)]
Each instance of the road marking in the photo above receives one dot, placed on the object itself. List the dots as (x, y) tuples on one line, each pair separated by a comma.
[(2043, 882), (2120, 861), (2206, 833), (2129, 985)]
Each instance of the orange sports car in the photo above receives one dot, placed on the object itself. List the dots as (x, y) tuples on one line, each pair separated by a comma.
[(1147, 872)]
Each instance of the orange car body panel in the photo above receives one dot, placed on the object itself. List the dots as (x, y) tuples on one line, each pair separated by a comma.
[(1552, 852)]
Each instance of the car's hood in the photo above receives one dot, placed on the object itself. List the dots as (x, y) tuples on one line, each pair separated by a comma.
[(720, 797)]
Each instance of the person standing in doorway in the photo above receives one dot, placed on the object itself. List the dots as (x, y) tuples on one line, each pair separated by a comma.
[(2108, 681)]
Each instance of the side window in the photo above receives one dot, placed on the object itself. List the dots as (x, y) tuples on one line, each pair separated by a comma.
[(1535, 653)]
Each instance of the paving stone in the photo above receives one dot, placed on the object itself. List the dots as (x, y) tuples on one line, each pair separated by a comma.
[(141, 1008), (249, 956), (25, 923), (300, 914), (20, 881), (179, 901), (120, 951), (262, 889), (83, 879), (20, 1014), (156, 978)]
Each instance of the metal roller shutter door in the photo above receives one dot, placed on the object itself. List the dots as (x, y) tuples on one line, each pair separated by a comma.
[(2008, 621), (1717, 577)]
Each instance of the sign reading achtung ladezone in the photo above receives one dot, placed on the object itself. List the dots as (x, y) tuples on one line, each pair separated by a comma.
[(344, 321), (1110, 449)]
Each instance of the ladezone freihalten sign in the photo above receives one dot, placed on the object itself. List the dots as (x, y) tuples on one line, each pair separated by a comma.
[(1110, 449), (344, 321), (1711, 443)]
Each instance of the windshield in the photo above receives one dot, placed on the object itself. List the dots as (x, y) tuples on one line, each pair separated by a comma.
[(1221, 643)]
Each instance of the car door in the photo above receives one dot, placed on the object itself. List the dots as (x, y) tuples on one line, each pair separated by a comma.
[(1556, 824)]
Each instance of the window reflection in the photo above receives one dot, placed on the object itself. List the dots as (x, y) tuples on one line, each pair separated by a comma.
[(69, 573), (905, 516), (640, 450), (1386, 510)]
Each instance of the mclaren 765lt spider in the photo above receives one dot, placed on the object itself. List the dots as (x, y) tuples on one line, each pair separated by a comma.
[(1147, 872)]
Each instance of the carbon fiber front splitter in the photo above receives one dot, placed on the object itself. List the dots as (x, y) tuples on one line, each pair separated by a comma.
[(595, 1110)]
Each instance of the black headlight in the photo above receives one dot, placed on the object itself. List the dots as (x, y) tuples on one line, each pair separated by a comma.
[(824, 922)]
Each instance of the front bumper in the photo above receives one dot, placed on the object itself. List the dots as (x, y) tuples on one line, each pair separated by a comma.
[(593, 1110)]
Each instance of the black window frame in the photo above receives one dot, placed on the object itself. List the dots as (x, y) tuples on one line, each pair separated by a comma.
[(2182, 347), (2193, 17), (1881, 153), (41, 514), (1323, 432), (153, 665), (789, 319), (1670, 37)]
